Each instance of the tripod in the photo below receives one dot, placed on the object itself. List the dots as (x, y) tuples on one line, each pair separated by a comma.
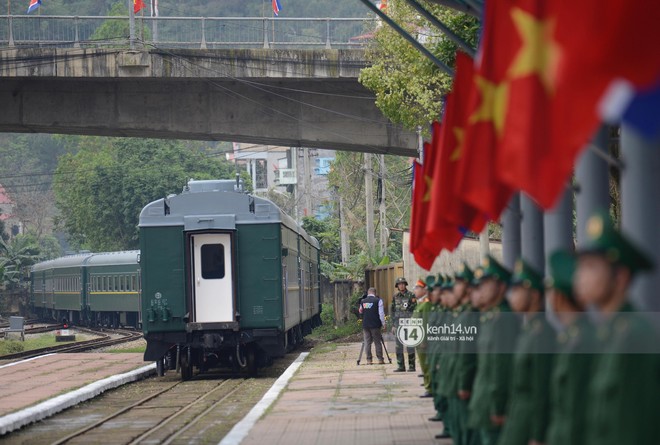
[(382, 340)]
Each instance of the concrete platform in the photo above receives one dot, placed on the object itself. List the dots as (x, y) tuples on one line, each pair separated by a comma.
[(331, 400), (33, 389)]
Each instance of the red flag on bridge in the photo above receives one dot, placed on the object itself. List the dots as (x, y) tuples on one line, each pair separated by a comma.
[(137, 6)]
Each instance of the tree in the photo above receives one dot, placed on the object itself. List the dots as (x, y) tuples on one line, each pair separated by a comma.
[(16, 256), (109, 181), (327, 233), (409, 88)]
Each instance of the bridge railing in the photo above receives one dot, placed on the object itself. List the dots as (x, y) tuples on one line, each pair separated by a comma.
[(185, 32)]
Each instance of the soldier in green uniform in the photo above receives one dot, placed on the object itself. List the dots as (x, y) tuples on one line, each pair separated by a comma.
[(403, 305), (446, 389), (497, 333), (436, 318), (624, 387), (527, 413), (466, 360), (572, 367), (422, 308)]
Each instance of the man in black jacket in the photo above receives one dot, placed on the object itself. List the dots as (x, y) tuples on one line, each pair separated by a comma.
[(373, 320)]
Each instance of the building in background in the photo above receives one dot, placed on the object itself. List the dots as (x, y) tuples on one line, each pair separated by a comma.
[(298, 176), (12, 225)]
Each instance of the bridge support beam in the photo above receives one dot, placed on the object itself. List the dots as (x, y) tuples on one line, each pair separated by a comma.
[(640, 209)]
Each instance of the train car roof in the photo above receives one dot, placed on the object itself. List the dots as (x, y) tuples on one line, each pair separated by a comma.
[(77, 260), (216, 204), (113, 258)]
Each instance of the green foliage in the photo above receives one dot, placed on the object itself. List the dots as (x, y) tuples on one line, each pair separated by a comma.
[(409, 88), (109, 181), (328, 331), (16, 257), (327, 233), (11, 347)]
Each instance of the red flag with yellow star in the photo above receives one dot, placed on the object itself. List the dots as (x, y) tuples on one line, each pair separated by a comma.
[(566, 56), (477, 181), (418, 215), (441, 232), (449, 213)]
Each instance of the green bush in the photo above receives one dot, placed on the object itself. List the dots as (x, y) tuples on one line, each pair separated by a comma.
[(11, 347)]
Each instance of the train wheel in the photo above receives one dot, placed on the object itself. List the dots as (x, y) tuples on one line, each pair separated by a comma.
[(160, 367), (186, 365), (251, 359)]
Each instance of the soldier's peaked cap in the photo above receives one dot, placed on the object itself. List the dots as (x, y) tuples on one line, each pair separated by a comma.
[(491, 268), (526, 276), (604, 239), (464, 273), (562, 269)]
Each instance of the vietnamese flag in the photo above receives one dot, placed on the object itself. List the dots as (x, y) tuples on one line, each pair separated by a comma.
[(477, 180), (566, 56), (447, 209), (137, 6), (418, 215), (440, 233)]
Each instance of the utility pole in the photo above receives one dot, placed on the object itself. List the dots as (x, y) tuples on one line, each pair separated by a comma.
[(382, 208), (307, 182), (369, 195), (343, 233)]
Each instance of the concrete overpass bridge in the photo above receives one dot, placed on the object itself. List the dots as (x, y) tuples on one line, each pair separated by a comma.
[(269, 92)]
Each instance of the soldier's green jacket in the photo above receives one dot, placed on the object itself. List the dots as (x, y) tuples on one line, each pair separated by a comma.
[(527, 414), (568, 388), (437, 317), (493, 380), (449, 355), (624, 389), (466, 361), (422, 311), (403, 305)]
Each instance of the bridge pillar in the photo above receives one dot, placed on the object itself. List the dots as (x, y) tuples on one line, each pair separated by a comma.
[(593, 181), (531, 233), (558, 226), (511, 232), (640, 209)]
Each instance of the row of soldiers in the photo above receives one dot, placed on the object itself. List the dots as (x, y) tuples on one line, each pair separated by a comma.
[(504, 371)]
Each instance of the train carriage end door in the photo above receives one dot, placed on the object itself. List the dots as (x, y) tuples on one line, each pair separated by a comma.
[(213, 291)]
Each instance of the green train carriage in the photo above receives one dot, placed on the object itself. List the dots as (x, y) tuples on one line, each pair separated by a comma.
[(90, 289), (227, 279)]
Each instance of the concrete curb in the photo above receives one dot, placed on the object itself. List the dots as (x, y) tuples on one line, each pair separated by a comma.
[(52, 406), (240, 431)]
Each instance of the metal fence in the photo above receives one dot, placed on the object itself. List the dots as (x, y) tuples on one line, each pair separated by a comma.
[(185, 32)]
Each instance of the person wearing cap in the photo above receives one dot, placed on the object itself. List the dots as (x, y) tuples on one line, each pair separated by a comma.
[(624, 387), (403, 305), (436, 317), (446, 388), (466, 360), (497, 332), (527, 413), (572, 365), (422, 309)]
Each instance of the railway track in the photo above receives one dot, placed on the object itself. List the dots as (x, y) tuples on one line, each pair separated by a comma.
[(35, 330), (181, 416), (82, 346)]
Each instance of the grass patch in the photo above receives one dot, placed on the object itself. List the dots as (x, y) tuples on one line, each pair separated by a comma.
[(329, 331), (324, 348), (33, 342)]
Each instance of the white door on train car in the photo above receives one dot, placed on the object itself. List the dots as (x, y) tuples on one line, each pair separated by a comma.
[(213, 285)]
